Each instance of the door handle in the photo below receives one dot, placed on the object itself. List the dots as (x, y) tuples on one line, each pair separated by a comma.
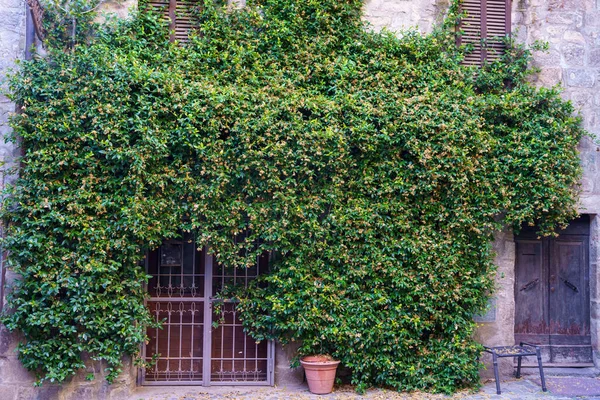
[(214, 299), (571, 286), (552, 289), (529, 285)]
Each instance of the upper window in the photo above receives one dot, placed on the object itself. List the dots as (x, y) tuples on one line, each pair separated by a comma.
[(179, 14), (485, 25)]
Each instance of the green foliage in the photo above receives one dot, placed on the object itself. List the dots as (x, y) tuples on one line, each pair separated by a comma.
[(68, 22), (377, 168)]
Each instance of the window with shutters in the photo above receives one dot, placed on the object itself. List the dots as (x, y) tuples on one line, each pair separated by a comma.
[(179, 15), (484, 25)]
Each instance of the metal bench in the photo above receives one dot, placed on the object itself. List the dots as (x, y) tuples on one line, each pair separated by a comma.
[(522, 350)]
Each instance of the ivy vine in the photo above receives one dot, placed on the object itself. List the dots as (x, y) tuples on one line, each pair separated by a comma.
[(378, 168)]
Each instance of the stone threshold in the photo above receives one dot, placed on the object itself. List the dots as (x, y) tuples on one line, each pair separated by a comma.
[(560, 370)]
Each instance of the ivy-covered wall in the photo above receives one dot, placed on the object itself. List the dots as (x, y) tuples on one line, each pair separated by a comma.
[(392, 14), (16, 382), (572, 62)]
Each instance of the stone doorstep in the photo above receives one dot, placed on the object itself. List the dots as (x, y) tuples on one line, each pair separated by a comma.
[(533, 372)]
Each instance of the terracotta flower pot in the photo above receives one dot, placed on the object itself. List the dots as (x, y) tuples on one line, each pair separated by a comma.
[(320, 373)]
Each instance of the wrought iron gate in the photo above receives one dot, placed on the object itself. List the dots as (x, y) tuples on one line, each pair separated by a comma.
[(188, 350)]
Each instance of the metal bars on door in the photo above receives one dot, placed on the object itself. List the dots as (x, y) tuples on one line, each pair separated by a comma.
[(188, 350)]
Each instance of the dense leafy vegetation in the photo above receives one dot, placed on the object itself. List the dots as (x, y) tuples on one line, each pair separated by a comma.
[(377, 168)]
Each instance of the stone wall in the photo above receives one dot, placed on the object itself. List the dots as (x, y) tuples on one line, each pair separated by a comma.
[(572, 30), (399, 15), (496, 327), (12, 47)]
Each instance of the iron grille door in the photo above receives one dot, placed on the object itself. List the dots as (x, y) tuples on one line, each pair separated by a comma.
[(236, 358), (188, 349), (177, 290)]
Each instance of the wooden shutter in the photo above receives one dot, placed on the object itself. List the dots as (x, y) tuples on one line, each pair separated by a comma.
[(179, 15), (37, 16), (485, 25)]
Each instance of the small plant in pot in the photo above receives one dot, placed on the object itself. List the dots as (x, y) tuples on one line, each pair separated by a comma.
[(320, 372)]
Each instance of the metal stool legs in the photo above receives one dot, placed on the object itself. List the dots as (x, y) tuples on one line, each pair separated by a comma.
[(523, 350), (496, 374), (539, 358)]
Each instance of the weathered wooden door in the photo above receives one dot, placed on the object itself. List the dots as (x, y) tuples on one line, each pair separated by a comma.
[(196, 345), (552, 296)]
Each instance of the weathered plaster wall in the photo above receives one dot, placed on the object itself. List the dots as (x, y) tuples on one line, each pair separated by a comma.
[(284, 375), (496, 328)]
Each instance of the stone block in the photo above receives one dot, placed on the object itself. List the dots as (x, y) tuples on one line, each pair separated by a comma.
[(592, 19), (573, 55), (13, 372), (398, 15), (120, 392), (8, 392), (573, 37), (582, 98), (80, 391), (556, 30), (45, 392), (378, 23), (594, 329), (586, 144), (8, 343), (550, 76), (594, 57), (587, 185), (501, 330), (564, 18), (564, 4), (116, 8), (550, 58), (580, 78), (591, 118), (588, 162), (284, 375)]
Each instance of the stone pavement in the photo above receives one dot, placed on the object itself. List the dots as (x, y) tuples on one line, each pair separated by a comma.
[(563, 388)]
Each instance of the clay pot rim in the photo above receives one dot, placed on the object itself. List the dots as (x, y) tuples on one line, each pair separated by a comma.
[(318, 360)]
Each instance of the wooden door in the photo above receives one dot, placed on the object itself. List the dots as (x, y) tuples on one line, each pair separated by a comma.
[(552, 293)]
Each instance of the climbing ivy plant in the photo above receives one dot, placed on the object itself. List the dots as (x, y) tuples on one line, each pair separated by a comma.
[(376, 167)]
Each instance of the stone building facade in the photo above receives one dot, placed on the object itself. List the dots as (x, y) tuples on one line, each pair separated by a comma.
[(572, 30)]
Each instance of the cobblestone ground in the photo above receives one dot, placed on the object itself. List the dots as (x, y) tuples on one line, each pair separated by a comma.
[(511, 390)]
